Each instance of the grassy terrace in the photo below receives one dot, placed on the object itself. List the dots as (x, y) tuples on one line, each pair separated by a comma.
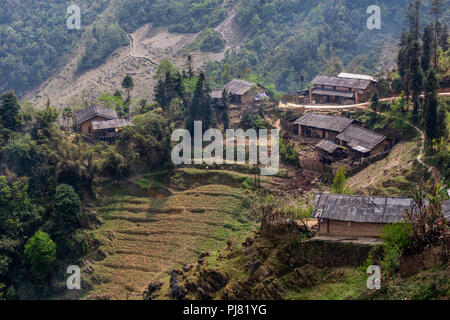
[(149, 229)]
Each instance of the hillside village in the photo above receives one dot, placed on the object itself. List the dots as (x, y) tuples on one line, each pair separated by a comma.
[(88, 178)]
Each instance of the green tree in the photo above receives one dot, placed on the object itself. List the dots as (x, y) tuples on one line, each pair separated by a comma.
[(40, 255), (436, 9), (375, 101), (339, 182), (225, 111), (200, 106), (67, 206), (10, 111), (128, 84), (431, 107), (427, 45)]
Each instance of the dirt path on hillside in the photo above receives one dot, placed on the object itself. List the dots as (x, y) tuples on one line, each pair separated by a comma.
[(147, 47), (290, 105)]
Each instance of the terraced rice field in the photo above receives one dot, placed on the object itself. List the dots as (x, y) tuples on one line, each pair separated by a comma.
[(144, 237)]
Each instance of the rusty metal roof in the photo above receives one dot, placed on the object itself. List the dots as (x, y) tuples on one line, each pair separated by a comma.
[(361, 208), (321, 121)]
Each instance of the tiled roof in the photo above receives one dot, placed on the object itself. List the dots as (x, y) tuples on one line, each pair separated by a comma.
[(328, 146), (361, 209), (322, 121), (356, 76), (239, 87), (341, 82), (361, 139), (95, 111)]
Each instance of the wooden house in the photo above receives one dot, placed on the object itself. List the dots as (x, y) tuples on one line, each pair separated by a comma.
[(358, 216), (362, 142), (93, 113), (242, 92), (346, 88), (320, 126), (362, 216)]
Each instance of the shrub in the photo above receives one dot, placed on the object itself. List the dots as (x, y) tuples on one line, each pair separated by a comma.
[(40, 254), (67, 209)]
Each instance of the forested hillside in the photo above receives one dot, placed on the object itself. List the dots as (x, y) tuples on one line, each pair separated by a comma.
[(283, 42), (35, 38)]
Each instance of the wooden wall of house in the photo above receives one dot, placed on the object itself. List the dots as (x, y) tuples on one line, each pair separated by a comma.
[(317, 133), (86, 127), (380, 148), (352, 229)]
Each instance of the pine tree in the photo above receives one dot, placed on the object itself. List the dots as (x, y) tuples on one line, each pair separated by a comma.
[(10, 111), (442, 123), (443, 41), (225, 115), (160, 94), (190, 68), (416, 79), (431, 107), (427, 45), (403, 63), (436, 9), (375, 101), (200, 106)]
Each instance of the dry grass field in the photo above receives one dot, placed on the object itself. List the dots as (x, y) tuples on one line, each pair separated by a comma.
[(144, 237)]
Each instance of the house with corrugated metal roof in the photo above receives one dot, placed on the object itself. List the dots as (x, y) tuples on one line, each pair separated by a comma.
[(346, 88), (362, 216)]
